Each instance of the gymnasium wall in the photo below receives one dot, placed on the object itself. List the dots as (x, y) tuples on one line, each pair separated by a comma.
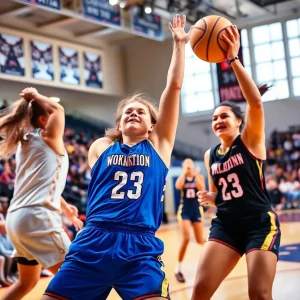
[(141, 65)]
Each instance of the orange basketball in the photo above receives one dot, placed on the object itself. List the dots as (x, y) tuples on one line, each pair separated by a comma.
[(206, 38)]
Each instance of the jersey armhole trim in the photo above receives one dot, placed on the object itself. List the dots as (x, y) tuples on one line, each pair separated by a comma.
[(39, 133), (252, 155), (111, 144), (157, 153)]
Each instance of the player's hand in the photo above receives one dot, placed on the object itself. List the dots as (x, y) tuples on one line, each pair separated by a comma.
[(29, 93), (196, 172), (206, 198), (232, 37), (185, 170), (71, 212), (177, 29), (78, 224)]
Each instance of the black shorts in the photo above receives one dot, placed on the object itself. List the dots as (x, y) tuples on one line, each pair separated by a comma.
[(257, 232), (26, 262)]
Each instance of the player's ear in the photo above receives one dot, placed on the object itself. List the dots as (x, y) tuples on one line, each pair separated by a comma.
[(151, 128)]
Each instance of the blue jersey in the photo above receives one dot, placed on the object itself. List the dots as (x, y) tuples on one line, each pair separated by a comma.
[(127, 186)]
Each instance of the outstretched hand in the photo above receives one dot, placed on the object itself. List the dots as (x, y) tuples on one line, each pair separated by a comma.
[(177, 29), (232, 37)]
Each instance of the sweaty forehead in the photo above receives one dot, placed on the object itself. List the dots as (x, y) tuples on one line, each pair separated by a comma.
[(188, 162), (222, 110), (135, 105)]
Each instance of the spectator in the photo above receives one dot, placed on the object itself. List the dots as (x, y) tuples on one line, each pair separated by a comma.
[(277, 198), (4, 104)]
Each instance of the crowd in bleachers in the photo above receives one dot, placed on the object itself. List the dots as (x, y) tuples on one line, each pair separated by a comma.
[(283, 169)]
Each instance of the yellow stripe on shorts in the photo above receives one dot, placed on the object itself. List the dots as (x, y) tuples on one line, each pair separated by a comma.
[(201, 209), (164, 288), (273, 230), (180, 208)]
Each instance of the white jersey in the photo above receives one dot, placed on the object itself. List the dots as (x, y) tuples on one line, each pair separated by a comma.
[(40, 174)]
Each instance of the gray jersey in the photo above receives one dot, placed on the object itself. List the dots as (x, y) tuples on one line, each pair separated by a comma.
[(40, 174)]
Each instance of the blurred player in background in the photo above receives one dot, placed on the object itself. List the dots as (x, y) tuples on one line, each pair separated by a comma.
[(190, 213)]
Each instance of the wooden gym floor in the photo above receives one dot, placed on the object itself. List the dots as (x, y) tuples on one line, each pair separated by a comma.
[(287, 281)]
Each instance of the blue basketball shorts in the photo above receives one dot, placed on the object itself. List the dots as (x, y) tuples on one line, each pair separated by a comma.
[(108, 256)]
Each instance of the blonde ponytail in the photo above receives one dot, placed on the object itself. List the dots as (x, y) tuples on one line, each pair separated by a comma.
[(13, 121)]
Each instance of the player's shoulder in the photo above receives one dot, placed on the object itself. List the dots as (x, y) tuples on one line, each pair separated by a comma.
[(207, 154), (101, 142), (97, 148)]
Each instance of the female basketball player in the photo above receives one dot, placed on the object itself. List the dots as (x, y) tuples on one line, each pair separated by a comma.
[(189, 211), (117, 248), (33, 127), (245, 222)]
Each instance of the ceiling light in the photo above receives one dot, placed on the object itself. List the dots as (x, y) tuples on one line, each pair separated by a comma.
[(122, 3), (55, 99), (113, 2)]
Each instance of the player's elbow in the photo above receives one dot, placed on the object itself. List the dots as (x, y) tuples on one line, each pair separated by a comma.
[(59, 108), (175, 84), (178, 186), (256, 103), (56, 109)]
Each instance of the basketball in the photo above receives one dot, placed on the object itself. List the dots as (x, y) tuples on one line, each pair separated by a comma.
[(206, 38)]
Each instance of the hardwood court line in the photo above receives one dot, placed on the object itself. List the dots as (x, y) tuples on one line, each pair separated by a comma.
[(233, 278)]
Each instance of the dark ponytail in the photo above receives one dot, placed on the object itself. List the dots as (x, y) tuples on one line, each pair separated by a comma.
[(263, 88)]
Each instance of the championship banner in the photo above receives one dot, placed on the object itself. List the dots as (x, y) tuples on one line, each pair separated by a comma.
[(69, 66), (12, 60), (93, 70), (147, 24), (54, 4), (42, 61), (102, 11), (229, 89)]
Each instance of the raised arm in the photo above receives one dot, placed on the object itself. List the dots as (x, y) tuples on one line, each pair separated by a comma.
[(253, 134), (165, 129), (54, 130), (180, 182)]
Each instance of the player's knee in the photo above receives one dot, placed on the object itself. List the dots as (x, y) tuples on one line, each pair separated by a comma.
[(200, 240), (259, 292), (203, 288), (185, 240)]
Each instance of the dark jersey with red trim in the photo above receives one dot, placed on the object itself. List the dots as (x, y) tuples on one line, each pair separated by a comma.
[(239, 178)]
